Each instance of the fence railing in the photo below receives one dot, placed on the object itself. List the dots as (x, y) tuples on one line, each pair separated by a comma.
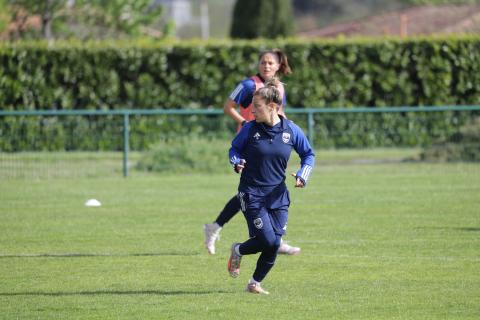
[(308, 112)]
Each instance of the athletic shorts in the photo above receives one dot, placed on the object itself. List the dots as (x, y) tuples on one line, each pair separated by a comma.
[(266, 213)]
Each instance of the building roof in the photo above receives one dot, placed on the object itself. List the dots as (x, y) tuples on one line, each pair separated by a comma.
[(423, 20)]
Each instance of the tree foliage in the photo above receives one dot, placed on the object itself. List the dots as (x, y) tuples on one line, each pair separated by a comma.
[(262, 19), (92, 19), (51, 12), (118, 17)]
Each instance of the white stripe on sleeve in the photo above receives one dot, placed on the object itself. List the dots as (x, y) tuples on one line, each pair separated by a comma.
[(306, 172), (235, 92)]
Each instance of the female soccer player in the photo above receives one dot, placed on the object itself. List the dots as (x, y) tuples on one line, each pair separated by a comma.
[(260, 152), (272, 63)]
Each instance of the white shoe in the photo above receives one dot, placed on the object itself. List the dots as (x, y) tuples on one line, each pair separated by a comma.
[(287, 249), (255, 288), (212, 234)]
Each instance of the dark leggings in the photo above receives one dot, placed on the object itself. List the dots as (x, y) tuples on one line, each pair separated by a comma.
[(229, 211), (268, 245)]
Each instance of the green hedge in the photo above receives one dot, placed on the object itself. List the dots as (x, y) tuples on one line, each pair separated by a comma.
[(463, 145), (327, 73), (187, 154)]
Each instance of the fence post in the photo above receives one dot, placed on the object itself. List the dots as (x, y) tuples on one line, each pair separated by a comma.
[(125, 143), (311, 125)]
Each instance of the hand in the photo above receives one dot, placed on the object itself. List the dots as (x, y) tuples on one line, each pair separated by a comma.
[(298, 182), (239, 167)]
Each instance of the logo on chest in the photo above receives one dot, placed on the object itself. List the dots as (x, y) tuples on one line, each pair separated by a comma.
[(286, 137), (256, 136)]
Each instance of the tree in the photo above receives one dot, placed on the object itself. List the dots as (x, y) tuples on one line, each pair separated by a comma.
[(119, 17), (262, 19), (87, 18), (49, 11)]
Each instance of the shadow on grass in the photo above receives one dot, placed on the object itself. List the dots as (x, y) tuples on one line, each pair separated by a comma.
[(86, 255), (468, 229), (105, 292)]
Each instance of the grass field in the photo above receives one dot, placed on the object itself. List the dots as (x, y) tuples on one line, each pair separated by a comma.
[(379, 241)]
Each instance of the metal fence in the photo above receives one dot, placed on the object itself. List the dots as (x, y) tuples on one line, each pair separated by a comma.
[(318, 122)]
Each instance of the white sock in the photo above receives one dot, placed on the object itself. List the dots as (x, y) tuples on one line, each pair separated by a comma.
[(217, 227), (254, 281), (237, 249)]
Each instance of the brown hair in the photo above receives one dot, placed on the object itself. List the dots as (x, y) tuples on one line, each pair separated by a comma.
[(282, 60), (270, 92)]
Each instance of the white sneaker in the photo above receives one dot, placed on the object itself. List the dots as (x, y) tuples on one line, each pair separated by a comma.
[(212, 234), (255, 288), (287, 249)]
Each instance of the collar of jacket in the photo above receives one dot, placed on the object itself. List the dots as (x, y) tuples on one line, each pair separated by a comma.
[(281, 128)]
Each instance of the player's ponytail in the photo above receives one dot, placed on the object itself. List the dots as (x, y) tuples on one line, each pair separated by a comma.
[(283, 60)]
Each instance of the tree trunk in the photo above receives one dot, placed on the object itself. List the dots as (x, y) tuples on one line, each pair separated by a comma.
[(47, 18), (204, 19)]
